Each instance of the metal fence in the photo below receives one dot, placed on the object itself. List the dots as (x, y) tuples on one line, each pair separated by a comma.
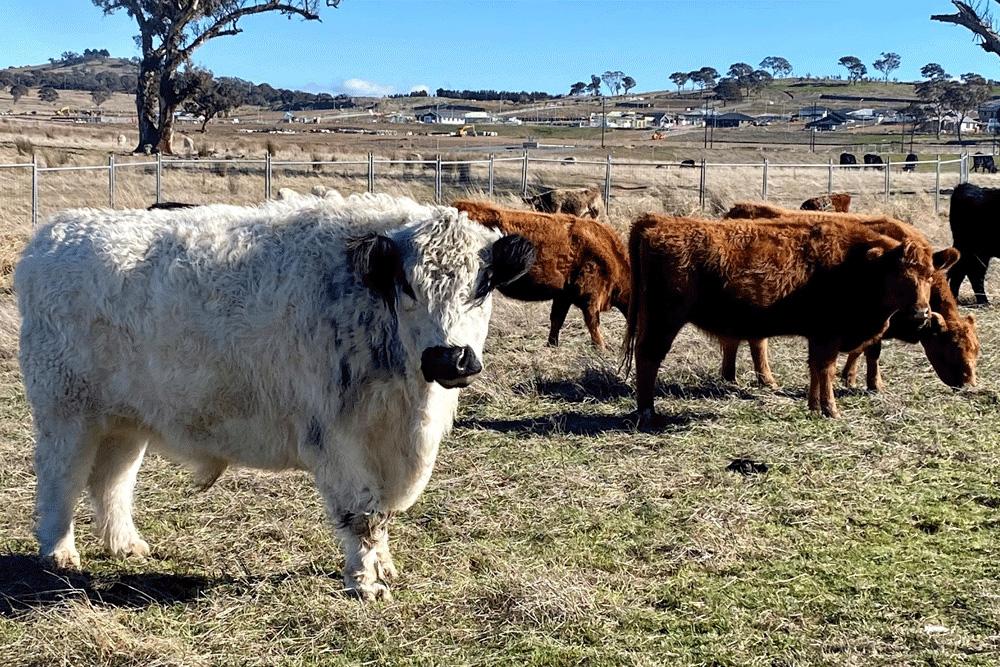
[(36, 191)]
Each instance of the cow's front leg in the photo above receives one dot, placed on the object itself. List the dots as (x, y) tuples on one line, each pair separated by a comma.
[(368, 566)]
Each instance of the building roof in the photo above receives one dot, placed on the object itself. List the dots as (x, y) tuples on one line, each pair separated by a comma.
[(734, 115)]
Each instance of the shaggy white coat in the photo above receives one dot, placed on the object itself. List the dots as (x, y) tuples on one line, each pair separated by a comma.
[(225, 335)]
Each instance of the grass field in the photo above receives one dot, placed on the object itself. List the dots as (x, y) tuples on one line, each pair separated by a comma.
[(553, 531)]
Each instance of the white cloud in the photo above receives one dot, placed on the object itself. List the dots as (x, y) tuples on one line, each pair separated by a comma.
[(363, 88), (420, 86)]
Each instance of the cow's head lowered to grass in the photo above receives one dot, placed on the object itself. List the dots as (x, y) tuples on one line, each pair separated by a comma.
[(436, 278)]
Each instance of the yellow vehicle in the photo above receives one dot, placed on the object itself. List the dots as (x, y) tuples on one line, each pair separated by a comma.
[(466, 130)]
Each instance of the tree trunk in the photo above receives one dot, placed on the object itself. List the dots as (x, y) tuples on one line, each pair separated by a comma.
[(958, 130), (168, 105), (146, 105), (204, 123)]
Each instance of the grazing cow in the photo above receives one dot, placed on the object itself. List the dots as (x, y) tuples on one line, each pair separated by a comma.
[(974, 234), (950, 342), (983, 163), (748, 210), (169, 205), (838, 202), (688, 163), (579, 262), (910, 164), (581, 202), (318, 334), (848, 159), (873, 161), (835, 283)]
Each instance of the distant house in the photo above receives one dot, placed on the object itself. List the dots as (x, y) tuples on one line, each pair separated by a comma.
[(450, 114), (627, 120), (867, 115), (950, 122), (989, 113), (731, 119), (833, 120), (693, 117), (661, 119), (813, 113)]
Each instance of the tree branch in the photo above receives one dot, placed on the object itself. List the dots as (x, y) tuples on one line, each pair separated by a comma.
[(967, 17), (218, 29)]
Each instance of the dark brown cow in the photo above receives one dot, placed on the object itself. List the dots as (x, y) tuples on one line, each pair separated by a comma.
[(579, 262), (581, 202), (950, 342), (835, 283), (838, 201)]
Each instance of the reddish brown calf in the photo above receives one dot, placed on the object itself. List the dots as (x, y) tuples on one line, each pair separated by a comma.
[(579, 262)]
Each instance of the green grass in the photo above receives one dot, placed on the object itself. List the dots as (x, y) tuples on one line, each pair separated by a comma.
[(553, 532)]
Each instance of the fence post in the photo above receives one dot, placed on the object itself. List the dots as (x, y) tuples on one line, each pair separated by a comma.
[(371, 172), (937, 184), (607, 185), (763, 187), (491, 175), (159, 178), (111, 180), (437, 179), (524, 175), (702, 184), (829, 178), (34, 190), (888, 185), (267, 176)]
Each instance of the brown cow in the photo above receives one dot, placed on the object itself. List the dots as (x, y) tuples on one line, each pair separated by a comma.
[(579, 262), (951, 343), (839, 202), (582, 202), (835, 283)]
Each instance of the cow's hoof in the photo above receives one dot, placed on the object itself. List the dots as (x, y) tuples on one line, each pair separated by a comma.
[(553, 343), (649, 420), (368, 592), (831, 412), (135, 546), (386, 568), (64, 559)]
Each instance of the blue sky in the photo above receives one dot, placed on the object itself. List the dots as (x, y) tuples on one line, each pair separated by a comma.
[(394, 45)]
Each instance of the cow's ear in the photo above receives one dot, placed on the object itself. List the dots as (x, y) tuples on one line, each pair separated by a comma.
[(378, 263), (945, 259), (513, 256)]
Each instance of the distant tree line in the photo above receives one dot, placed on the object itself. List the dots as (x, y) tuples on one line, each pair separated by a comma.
[(105, 82), (412, 93), (492, 95)]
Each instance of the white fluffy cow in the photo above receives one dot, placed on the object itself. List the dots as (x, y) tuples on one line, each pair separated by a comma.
[(329, 335)]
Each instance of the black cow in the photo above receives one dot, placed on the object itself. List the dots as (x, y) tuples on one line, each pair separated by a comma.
[(873, 161), (687, 163), (848, 158), (973, 212), (984, 163), (169, 205), (911, 158)]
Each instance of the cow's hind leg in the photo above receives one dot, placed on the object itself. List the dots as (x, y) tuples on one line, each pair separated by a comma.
[(111, 483), (368, 566), (730, 348), (651, 348), (849, 375), (560, 308), (64, 454), (977, 278), (761, 363)]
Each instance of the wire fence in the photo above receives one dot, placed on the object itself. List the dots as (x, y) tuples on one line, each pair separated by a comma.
[(30, 192)]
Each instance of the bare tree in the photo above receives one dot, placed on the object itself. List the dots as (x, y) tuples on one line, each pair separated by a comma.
[(169, 33), (975, 20)]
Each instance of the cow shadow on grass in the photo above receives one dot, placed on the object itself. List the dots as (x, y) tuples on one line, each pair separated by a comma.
[(28, 584), (597, 384), (579, 423)]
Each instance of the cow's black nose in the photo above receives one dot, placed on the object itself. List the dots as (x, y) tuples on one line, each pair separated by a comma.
[(450, 366)]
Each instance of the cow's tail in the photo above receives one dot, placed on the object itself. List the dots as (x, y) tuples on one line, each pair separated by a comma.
[(635, 239)]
